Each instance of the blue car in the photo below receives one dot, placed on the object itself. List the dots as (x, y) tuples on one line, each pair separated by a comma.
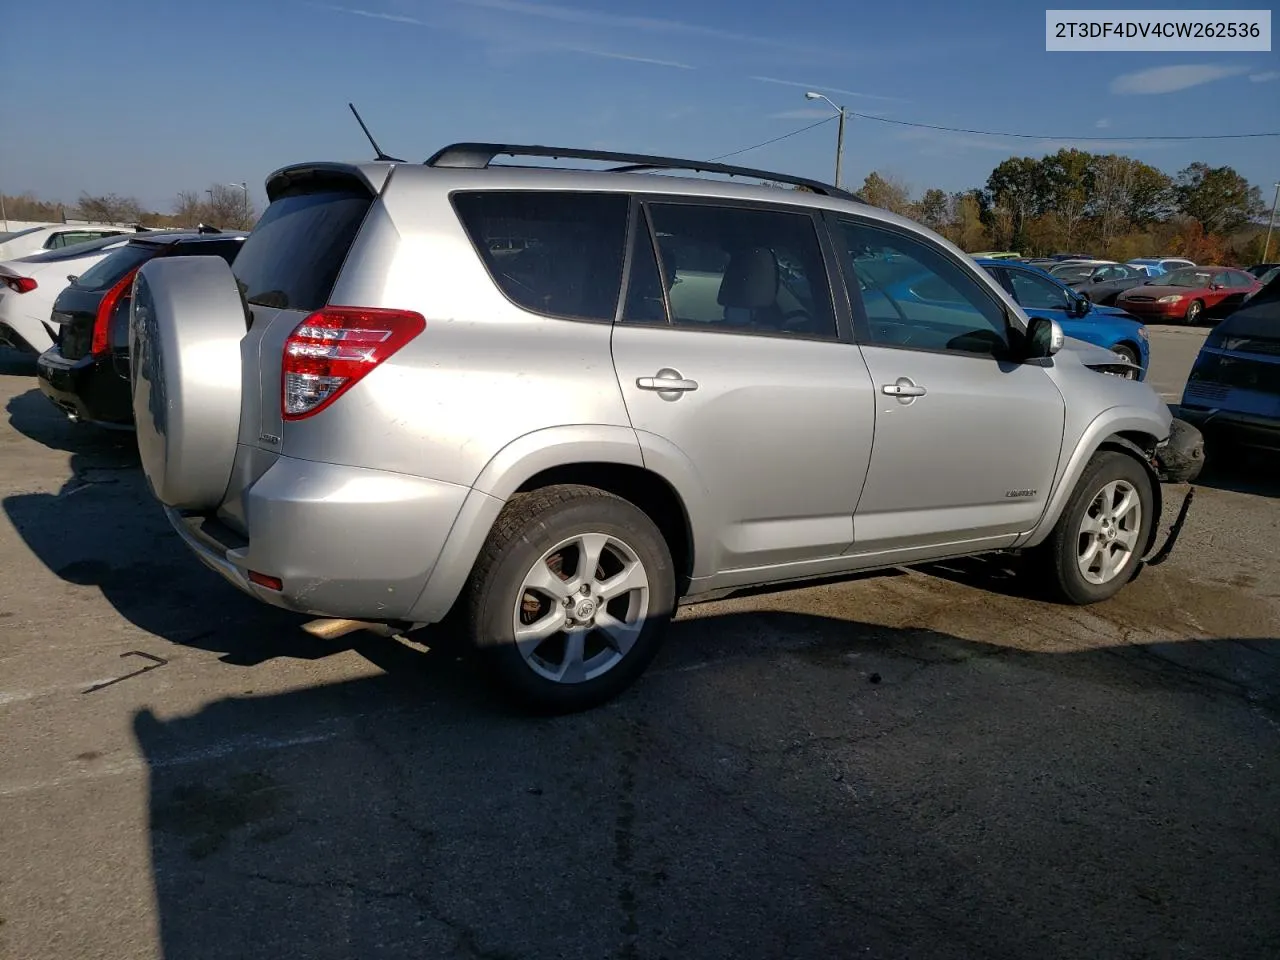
[(1042, 295), (1233, 393)]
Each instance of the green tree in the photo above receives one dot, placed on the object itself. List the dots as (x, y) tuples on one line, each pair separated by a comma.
[(1067, 184), (1017, 188), (932, 209), (1218, 197)]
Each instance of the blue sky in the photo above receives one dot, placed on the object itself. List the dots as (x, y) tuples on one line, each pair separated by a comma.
[(148, 97)]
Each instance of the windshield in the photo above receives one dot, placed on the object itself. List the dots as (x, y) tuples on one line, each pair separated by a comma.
[(1188, 278)]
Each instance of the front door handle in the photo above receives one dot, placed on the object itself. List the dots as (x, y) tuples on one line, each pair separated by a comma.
[(667, 381), (904, 389)]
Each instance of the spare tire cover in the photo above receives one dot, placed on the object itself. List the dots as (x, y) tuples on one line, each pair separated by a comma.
[(186, 322)]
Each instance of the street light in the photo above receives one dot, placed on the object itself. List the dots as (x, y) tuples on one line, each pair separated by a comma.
[(1266, 251), (245, 188), (811, 95)]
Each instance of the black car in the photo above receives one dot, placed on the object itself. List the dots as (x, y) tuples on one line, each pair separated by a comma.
[(1106, 282), (1233, 393), (1258, 269), (86, 371)]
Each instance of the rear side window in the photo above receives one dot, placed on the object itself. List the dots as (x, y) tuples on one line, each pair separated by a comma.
[(111, 269), (554, 253), (292, 258)]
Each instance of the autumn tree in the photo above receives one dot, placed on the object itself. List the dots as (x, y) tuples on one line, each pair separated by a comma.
[(28, 207), (109, 208), (887, 193), (220, 205)]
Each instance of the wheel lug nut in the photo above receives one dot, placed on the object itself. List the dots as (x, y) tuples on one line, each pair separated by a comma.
[(586, 589)]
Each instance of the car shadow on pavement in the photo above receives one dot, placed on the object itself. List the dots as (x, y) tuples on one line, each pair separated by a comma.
[(1245, 472), (104, 529), (778, 785)]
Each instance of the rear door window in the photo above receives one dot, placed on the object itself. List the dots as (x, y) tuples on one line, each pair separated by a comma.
[(553, 252), (732, 270), (292, 259)]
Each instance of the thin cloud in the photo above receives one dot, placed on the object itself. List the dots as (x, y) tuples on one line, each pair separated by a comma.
[(595, 18), (1265, 76), (823, 89), (1171, 79), (630, 58), (371, 14), (1103, 124)]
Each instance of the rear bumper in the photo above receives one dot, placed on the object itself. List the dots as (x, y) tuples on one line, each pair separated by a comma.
[(87, 389), (1244, 429), (343, 541)]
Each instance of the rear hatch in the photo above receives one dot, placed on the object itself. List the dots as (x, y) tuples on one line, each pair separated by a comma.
[(75, 311), (286, 270), (1238, 368)]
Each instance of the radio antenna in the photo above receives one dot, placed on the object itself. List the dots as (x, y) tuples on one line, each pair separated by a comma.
[(378, 154)]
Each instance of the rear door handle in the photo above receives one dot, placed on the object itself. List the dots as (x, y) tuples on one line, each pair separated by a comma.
[(903, 388), (667, 380)]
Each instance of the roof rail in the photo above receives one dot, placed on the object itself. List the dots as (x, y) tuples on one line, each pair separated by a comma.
[(478, 156)]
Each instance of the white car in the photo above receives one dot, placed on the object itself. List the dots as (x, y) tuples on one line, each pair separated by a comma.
[(23, 243), (29, 285)]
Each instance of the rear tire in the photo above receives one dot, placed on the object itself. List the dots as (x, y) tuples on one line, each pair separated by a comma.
[(588, 634), (1099, 541)]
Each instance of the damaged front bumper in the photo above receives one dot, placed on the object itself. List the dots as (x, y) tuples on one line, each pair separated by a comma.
[(1180, 458)]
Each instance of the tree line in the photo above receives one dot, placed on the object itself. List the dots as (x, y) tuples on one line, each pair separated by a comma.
[(1107, 205), (219, 205)]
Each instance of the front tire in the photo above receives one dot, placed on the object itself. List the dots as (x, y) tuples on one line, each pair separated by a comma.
[(1098, 542), (1131, 355), (1195, 310), (570, 597)]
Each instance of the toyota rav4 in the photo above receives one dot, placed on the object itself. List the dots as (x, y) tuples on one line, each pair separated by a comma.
[(549, 404)]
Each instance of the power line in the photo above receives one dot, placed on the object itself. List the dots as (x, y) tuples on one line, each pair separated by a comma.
[(756, 146), (1036, 136)]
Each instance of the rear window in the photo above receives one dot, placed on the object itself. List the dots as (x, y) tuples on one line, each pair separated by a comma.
[(555, 253), (112, 268), (292, 258)]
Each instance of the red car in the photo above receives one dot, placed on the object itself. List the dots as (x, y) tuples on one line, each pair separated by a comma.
[(1189, 295)]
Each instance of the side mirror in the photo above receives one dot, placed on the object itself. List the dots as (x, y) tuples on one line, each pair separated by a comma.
[(1044, 338), (72, 278), (1081, 305), (1215, 286)]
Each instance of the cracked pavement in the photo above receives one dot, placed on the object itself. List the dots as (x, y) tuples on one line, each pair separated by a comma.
[(920, 764)]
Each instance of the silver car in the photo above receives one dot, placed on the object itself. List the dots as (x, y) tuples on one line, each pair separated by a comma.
[(554, 403)]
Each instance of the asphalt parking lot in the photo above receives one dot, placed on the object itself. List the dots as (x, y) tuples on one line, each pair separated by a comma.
[(925, 764)]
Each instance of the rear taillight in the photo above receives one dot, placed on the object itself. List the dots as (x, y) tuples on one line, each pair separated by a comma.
[(20, 284), (102, 321), (331, 350)]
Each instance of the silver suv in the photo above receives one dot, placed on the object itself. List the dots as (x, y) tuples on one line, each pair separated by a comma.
[(554, 402)]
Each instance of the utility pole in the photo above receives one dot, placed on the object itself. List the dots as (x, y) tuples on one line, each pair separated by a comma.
[(244, 186), (3, 214), (1266, 251), (811, 95)]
